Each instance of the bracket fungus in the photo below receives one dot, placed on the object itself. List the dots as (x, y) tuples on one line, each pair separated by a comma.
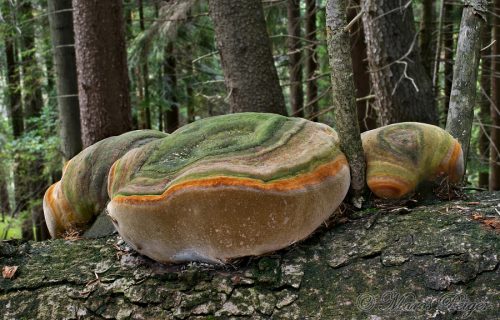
[(401, 156), (228, 186), (81, 195), (237, 185)]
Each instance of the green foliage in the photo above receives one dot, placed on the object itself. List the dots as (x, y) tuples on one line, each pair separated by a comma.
[(10, 228)]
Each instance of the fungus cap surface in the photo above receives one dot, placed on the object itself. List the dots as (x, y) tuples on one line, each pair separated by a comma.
[(401, 156), (228, 186), (82, 194)]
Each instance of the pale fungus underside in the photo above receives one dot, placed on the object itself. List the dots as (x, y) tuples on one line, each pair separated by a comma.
[(237, 185)]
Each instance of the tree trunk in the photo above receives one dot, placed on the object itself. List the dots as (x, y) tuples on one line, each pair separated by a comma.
[(463, 91), (402, 87), (427, 36), (188, 83), (144, 75), (311, 62), (63, 39), (101, 59), (33, 103), (31, 72), (344, 100), (495, 102), (449, 49), (294, 58), (191, 116), (427, 262), (246, 56), (484, 111), (4, 194), (14, 108), (171, 117), (367, 119)]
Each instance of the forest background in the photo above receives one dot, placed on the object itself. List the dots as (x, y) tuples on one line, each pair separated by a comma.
[(166, 71)]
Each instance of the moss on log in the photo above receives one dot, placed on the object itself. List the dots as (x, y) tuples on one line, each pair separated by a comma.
[(434, 261)]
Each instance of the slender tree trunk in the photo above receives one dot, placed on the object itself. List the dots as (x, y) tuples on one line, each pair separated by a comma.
[(484, 112), (495, 103), (14, 110), (161, 81), (463, 91), (245, 49), (311, 62), (161, 77), (49, 74), (14, 107), (134, 78), (4, 194), (171, 117), (101, 59), (144, 75), (427, 36), (449, 49), (63, 39), (32, 74), (188, 83), (366, 114), (33, 103), (294, 58), (402, 87), (344, 99)]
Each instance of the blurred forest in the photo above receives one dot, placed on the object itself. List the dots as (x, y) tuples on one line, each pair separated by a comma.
[(141, 64)]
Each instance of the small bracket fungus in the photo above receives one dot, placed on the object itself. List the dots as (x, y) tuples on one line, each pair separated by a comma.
[(81, 195), (228, 186), (401, 156)]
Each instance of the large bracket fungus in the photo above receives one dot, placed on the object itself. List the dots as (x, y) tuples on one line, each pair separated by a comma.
[(227, 187), (237, 185), (81, 195), (401, 156)]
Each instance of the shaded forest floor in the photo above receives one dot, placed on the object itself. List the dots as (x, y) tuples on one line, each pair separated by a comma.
[(433, 261)]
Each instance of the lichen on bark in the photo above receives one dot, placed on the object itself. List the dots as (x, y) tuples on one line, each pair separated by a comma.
[(344, 99), (463, 90)]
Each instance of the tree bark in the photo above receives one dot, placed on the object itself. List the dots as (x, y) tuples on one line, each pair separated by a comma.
[(14, 107), (295, 58), (31, 72), (484, 111), (171, 117), (344, 100), (188, 83), (63, 39), (463, 91), (101, 59), (495, 103), (246, 56), (144, 75), (367, 118), (449, 49), (402, 87), (427, 36), (311, 62), (433, 260), (4, 194)]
